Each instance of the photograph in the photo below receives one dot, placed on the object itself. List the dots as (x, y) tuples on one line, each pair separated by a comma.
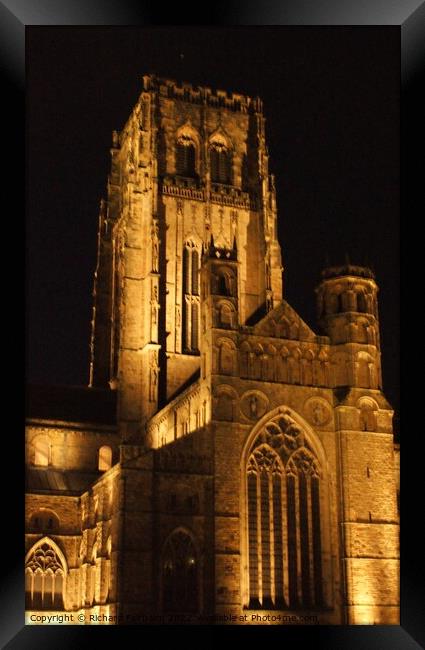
[(212, 412)]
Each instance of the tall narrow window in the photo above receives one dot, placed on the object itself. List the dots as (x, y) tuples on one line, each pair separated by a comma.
[(195, 272), (190, 298), (253, 537), (104, 458), (283, 522), (195, 326), (185, 157), (278, 538), (44, 578), (180, 575), (220, 163), (292, 542), (41, 451), (361, 302), (187, 256)]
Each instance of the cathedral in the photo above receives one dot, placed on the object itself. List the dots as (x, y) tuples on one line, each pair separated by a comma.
[(227, 464)]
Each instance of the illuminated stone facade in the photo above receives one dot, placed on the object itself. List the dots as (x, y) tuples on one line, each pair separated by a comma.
[(251, 466)]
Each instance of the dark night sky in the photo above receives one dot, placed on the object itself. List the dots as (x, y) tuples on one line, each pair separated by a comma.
[(331, 99)]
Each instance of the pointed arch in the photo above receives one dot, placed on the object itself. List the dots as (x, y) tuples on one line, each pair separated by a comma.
[(220, 137), (284, 487), (48, 540), (220, 154), (188, 131), (180, 572), (45, 576), (187, 151), (313, 441)]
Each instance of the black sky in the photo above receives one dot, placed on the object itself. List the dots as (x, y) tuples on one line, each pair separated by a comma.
[(331, 99)]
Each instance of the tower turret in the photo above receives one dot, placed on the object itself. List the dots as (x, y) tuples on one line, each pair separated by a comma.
[(347, 305), (348, 314)]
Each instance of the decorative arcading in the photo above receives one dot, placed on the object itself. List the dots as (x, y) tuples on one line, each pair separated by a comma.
[(293, 365), (233, 199), (184, 192)]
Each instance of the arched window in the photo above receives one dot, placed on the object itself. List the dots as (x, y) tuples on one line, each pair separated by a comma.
[(364, 370), (185, 157), (41, 451), (226, 315), (245, 359), (44, 521), (180, 590), (220, 163), (190, 298), (283, 520), (105, 458), (367, 418), (44, 577), (222, 288), (224, 284)]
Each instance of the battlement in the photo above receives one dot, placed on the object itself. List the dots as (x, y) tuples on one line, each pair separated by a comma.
[(348, 269), (216, 98)]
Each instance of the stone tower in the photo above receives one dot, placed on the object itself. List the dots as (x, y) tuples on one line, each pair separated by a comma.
[(249, 474), (348, 314), (189, 168)]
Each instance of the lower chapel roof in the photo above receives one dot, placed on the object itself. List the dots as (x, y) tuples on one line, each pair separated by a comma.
[(72, 404), (57, 481)]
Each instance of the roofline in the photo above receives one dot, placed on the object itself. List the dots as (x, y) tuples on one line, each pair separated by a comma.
[(65, 424)]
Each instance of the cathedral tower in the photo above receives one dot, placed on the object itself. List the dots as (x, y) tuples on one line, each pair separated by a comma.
[(189, 167), (246, 471)]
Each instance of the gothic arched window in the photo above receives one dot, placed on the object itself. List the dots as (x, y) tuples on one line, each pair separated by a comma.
[(220, 163), (180, 591), (185, 157), (44, 577), (283, 520), (190, 298)]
